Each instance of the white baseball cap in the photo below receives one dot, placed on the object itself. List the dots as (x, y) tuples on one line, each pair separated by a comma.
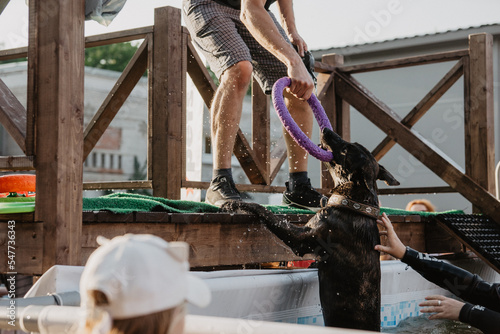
[(142, 274)]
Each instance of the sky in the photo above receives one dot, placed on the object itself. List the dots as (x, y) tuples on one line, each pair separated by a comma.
[(322, 23)]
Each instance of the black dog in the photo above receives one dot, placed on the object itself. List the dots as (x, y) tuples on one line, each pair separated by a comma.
[(342, 235)]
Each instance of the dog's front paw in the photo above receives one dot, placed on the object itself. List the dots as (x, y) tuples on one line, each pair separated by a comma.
[(243, 207), (230, 206)]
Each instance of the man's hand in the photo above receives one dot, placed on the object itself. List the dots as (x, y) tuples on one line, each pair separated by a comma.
[(299, 43), (302, 85)]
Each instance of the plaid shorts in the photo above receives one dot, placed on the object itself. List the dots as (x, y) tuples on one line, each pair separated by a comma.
[(224, 40)]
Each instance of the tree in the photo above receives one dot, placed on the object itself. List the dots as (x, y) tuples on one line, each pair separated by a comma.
[(114, 57), (140, 173)]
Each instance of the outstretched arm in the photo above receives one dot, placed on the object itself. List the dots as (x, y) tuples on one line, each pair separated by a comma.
[(257, 20), (460, 282), (394, 246), (480, 317), (288, 22)]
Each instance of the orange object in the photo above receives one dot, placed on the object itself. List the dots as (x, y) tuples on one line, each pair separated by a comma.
[(17, 183), (299, 264)]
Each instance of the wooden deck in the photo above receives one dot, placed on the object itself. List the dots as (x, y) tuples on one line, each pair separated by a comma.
[(216, 239)]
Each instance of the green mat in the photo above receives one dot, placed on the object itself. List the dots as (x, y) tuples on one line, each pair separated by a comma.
[(127, 203), (400, 212), (17, 205)]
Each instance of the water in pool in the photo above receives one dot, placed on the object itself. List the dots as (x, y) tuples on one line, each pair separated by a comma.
[(422, 325)]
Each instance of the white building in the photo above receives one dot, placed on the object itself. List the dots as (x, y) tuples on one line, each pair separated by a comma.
[(113, 157), (402, 89), (126, 138)]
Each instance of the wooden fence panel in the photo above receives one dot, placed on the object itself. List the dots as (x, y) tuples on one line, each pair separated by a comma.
[(479, 112), (58, 104)]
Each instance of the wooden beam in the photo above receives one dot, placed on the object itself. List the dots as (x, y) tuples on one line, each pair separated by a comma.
[(322, 67), (420, 190), (261, 129), (12, 115), (423, 106), (261, 188), (278, 157), (166, 131), (116, 98), (58, 102), (32, 70), (184, 55), (249, 162), (479, 112), (336, 109), (200, 76), (13, 53), (90, 41), (117, 185), (383, 117), (16, 163), (151, 108), (118, 36), (3, 4), (212, 244), (406, 62)]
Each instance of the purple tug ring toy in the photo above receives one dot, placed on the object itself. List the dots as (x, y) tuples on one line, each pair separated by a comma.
[(292, 127)]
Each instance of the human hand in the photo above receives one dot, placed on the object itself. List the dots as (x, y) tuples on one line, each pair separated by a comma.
[(299, 43), (394, 246), (442, 307), (301, 85)]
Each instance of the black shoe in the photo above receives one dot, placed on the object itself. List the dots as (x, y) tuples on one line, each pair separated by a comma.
[(222, 189), (304, 196)]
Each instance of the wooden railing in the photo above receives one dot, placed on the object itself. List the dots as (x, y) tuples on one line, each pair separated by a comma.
[(50, 130), (476, 66)]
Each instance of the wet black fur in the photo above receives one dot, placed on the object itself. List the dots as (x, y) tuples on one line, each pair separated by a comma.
[(343, 241)]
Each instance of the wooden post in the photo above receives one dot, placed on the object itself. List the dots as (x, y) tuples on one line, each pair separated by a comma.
[(479, 112), (30, 103), (261, 129), (58, 105), (167, 113), (3, 4), (336, 109)]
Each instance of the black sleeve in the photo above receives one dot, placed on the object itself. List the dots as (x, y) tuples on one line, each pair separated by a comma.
[(458, 281), (481, 318)]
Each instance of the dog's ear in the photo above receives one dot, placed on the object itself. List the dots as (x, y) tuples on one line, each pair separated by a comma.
[(384, 175)]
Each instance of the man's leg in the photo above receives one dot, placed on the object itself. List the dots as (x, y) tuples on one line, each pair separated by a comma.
[(302, 114), (226, 111), (225, 119), (299, 191)]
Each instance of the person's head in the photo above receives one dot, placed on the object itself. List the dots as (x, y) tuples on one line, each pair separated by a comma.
[(420, 205), (139, 284)]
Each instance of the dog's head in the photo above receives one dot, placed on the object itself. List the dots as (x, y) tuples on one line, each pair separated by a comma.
[(353, 163)]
